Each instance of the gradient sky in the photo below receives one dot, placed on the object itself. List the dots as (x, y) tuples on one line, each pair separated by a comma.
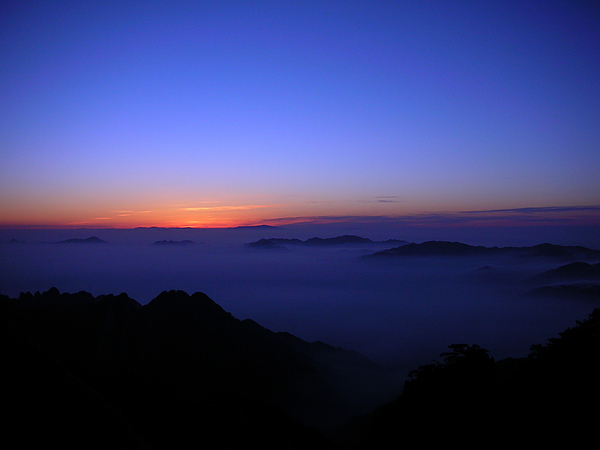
[(218, 113)]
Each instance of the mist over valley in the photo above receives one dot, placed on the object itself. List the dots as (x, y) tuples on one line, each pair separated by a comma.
[(306, 337), (399, 311)]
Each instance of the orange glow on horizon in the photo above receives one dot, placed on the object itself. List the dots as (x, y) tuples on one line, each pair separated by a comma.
[(223, 214), (130, 225), (205, 216)]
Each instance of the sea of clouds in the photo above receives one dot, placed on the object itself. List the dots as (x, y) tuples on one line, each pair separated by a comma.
[(402, 312)]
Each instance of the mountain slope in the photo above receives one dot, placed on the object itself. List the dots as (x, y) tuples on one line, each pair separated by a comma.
[(576, 271), (472, 401), (180, 369)]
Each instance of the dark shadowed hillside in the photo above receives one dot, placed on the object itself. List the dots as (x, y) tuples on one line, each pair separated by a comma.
[(472, 401), (574, 281), (576, 271), (179, 370)]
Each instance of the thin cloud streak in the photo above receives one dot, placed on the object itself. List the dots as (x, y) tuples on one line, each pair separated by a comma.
[(383, 199), (225, 208), (555, 215)]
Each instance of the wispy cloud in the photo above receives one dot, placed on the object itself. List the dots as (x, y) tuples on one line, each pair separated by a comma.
[(383, 199), (224, 208), (555, 215), (389, 199), (127, 213), (94, 221)]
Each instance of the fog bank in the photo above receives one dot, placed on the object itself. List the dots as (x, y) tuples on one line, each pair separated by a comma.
[(403, 311)]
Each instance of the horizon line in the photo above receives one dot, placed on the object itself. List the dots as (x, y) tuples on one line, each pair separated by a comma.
[(568, 215)]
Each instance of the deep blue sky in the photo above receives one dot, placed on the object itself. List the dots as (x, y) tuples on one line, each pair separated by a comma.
[(202, 113)]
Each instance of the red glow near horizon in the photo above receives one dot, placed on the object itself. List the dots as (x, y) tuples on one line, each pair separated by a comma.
[(230, 217)]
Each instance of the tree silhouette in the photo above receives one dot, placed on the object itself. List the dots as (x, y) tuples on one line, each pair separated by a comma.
[(469, 399)]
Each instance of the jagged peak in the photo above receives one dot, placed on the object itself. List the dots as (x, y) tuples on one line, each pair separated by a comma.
[(178, 301)]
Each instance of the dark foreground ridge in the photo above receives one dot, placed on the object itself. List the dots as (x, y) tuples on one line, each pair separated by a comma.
[(471, 400), (180, 372)]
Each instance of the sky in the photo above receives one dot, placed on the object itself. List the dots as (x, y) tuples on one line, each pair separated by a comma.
[(226, 113)]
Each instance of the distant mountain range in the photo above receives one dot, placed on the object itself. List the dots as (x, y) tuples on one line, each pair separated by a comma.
[(577, 280), (446, 248), (576, 271), (435, 248), (316, 241), (90, 240), (181, 372), (170, 242)]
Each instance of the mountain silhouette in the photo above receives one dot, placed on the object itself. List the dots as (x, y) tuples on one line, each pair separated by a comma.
[(472, 401), (577, 280), (446, 248), (321, 242), (90, 240), (575, 271), (436, 248), (181, 372), (178, 371), (273, 243), (339, 240)]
